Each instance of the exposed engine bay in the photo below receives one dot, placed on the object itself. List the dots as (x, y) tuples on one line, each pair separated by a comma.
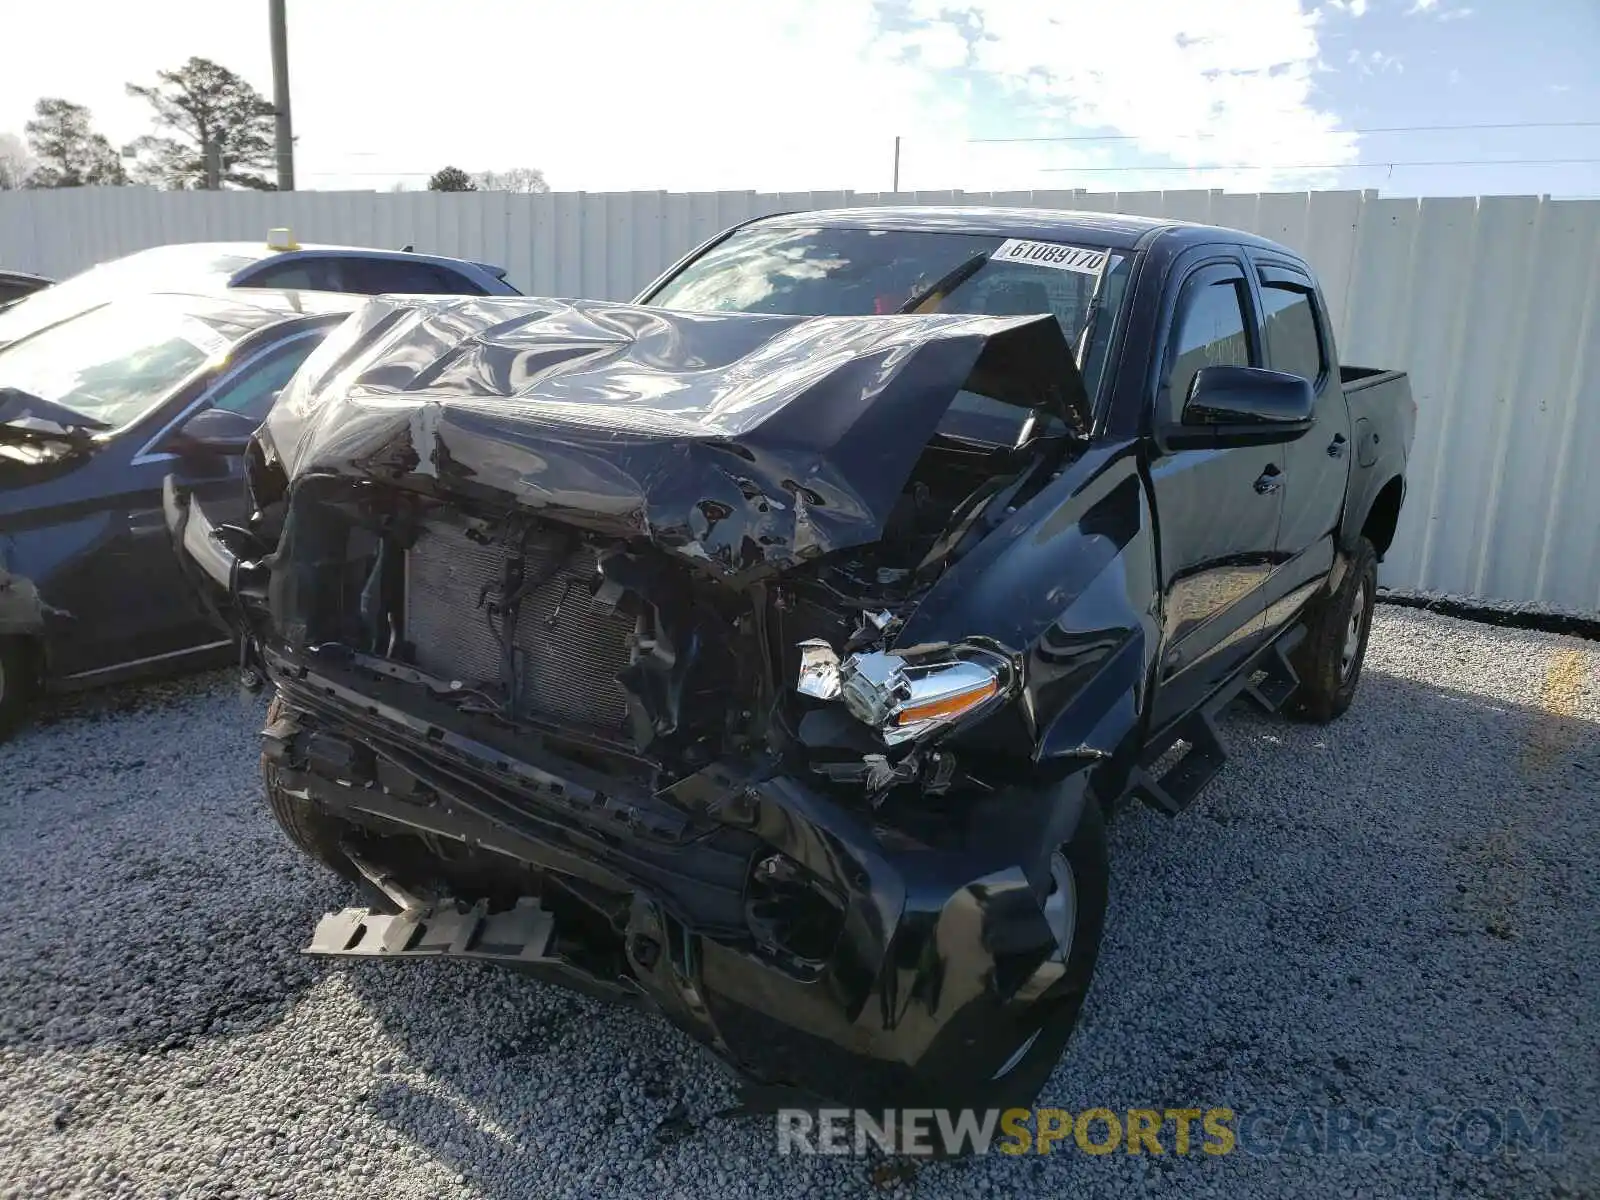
[(636, 659)]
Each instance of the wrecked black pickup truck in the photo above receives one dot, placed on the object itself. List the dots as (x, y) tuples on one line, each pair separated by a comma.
[(772, 650)]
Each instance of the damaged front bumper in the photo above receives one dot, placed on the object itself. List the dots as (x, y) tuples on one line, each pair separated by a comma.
[(814, 952)]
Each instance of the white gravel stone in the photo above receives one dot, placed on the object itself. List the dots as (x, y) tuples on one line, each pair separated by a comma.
[(1400, 909)]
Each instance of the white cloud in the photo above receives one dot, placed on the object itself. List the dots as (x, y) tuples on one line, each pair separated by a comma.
[(1435, 7), (1353, 8), (1199, 83), (704, 94), (1375, 62)]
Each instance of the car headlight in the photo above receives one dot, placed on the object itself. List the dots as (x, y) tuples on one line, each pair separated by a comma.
[(908, 695)]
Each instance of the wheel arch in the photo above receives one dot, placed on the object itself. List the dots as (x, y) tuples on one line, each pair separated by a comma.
[(1383, 516)]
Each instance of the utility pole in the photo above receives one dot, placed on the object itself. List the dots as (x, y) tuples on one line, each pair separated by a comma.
[(897, 162), (280, 94)]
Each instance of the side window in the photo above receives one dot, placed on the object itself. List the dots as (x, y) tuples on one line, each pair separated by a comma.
[(310, 274), (1290, 321), (1211, 332), (375, 276), (252, 391)]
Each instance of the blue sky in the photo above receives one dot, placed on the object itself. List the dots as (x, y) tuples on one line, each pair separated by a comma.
[(1477, 62), (1247, 95)]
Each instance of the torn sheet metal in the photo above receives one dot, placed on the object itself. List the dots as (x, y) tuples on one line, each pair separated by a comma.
[(742, 440)]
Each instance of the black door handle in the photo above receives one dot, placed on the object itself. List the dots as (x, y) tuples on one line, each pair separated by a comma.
[(1336, 447), (1269, 480)]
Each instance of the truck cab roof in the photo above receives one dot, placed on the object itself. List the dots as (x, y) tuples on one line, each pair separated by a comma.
[(1118, 231)]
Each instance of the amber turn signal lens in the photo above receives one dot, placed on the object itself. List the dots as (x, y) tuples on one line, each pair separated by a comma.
[(948, 706)]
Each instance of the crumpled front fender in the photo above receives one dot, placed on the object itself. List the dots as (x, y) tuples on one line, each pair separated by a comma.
[(944, 967)]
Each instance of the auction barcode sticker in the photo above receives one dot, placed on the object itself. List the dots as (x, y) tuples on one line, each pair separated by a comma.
[(1050, 254)]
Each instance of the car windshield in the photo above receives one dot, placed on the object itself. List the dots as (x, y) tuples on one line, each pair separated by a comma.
[(162, 268), (818, 271), (111, 365)]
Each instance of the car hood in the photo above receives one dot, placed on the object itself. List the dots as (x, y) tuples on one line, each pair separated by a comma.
[(747, 442)]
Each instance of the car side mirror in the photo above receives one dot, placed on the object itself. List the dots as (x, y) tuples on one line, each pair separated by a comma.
[(212, 432), (1249, 405)]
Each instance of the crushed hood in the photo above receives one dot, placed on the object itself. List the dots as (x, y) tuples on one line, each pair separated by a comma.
[(741, 440)]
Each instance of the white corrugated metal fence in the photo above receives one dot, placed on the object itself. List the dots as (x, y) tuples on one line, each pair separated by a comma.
[(1490, 304)]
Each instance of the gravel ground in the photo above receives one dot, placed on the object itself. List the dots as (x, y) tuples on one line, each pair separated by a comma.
[(1400, 910)]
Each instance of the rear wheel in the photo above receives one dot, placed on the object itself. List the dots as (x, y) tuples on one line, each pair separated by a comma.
[(1329, 660), (16, 681), (313, 831)]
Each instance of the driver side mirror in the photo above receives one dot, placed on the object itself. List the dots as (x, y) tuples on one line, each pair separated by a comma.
[(1249, 405), (212, 433)]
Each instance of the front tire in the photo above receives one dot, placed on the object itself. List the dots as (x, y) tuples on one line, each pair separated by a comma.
[(1338, 625), (313, 832), (1080, 878)]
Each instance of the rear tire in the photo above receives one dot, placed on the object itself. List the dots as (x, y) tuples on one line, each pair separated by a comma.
[(313, 832), (16, 682), (1338, 624)]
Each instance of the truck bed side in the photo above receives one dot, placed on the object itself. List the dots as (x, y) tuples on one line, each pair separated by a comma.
[(1382, 421)]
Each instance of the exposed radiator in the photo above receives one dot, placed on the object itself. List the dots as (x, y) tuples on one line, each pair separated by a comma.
[(569, 653)]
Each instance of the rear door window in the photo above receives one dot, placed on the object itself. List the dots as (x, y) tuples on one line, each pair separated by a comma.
[(1289, 318), (375, 276)]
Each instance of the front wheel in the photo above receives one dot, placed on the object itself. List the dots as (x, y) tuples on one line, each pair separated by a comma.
[(314, 833), (1337, 627), (1075, 909)]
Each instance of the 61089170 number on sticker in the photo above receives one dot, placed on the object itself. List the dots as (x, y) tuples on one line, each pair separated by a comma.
[(1050, 254)]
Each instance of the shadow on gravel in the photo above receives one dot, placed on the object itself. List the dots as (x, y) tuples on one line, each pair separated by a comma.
[(1337, 988), (141, 696), (505, 1079), (169, 977), (152, 901)]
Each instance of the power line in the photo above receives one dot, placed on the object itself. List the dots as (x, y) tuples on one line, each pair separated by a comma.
[(1433, 162), (1443, 162), (1134, 137)]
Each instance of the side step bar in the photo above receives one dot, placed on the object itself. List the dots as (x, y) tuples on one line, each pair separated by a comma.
[(519, 935), (1176, 787), (1281, 679)]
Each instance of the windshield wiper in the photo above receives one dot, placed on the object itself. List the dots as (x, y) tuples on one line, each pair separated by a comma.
[(28, 418), (946, 284)]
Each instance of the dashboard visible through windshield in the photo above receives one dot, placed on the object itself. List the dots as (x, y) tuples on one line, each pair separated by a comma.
[(114, 363)]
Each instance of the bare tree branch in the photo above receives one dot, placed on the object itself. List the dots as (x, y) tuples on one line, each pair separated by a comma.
[(518, 179)]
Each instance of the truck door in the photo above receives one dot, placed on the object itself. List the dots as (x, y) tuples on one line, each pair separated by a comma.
[(1316, 466), (1217, 509)]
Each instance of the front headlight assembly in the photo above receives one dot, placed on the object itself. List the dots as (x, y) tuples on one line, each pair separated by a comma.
[(909, 695)]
